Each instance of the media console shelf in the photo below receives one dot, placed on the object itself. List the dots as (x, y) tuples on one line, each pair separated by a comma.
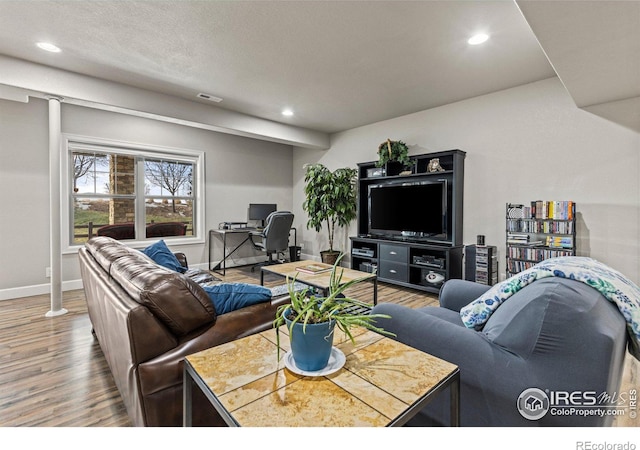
[(409, 264), (410, 226)]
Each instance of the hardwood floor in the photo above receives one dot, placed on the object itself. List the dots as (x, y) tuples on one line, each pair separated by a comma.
[(53, 373)]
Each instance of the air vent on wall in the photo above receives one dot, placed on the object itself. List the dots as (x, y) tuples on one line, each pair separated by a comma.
[(211, 98)]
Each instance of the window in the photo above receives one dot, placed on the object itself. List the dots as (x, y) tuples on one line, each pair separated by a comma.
[(132, 192)]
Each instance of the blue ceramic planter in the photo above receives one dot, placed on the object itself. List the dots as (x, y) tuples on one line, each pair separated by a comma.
[(311, 349)]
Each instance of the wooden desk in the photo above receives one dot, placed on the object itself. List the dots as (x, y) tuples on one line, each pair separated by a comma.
[(383, 383)]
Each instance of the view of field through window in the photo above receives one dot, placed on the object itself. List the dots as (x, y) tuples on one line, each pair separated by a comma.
[(106, 189)]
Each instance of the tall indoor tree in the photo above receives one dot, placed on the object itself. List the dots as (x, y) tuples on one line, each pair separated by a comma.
[(331, 200)]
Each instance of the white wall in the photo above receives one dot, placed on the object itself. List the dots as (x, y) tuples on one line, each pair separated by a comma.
[(24, 184), (239, 171), (522, 144)]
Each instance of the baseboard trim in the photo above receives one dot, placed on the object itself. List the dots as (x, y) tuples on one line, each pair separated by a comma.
[(37, 289)]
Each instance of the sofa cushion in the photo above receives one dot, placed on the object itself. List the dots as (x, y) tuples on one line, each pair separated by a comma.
[(517, 323), (542, 315), (177, 301), (202, 277), (161, 254), (227, 297), (106, 250)]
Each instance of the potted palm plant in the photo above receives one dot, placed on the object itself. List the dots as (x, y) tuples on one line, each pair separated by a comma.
[(330, 198), (311, 320)]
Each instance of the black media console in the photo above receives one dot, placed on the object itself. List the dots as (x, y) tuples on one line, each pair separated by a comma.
[(420, 266), (412, 257)]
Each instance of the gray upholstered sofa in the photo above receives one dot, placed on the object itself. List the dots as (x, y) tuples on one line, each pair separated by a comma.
[(556, 335)]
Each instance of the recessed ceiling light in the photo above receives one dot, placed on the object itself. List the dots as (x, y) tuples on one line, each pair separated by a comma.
[(478, 39), (48, 47), (287, 112)]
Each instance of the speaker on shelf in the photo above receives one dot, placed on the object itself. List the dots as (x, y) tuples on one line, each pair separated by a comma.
[(431, 278), (470, 262)]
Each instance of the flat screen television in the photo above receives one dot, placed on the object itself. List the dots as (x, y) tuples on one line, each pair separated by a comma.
[(409, 209)]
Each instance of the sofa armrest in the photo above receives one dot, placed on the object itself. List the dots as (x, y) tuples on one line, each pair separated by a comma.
[(182, 259), (430, 333), (456, 294), (166, 370)]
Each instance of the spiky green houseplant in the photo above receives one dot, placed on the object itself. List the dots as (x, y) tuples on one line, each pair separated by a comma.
[(308, 308), (331, 200)]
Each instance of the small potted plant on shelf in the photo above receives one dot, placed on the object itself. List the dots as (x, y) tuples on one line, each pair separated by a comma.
[(394, 153), (331, 199), (311, 320)]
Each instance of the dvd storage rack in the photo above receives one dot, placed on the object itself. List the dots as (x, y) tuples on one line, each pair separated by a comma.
[(541, 230), (486, 265), (481, 264)]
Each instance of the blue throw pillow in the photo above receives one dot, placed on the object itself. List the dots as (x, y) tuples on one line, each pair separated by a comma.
[(161, 255), (227, 297)]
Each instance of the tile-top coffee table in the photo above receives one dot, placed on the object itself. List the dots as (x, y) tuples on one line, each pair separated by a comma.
[(319, 280), (382, 383)]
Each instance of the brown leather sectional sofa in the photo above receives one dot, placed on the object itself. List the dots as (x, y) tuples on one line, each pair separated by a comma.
[(146, 319)]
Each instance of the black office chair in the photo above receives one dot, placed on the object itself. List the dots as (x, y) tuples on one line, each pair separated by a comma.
[(274, 238)]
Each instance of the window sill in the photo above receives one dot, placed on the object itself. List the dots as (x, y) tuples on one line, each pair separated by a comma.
[(73, 249)]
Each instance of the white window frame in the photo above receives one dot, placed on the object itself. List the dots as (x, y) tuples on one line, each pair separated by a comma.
[(71, 142)]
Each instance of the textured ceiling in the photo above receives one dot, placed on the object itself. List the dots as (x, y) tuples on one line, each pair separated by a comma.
[(340, 64), (337, 64)]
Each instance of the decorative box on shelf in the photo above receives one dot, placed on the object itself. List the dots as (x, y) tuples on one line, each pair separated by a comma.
[(376, 172)]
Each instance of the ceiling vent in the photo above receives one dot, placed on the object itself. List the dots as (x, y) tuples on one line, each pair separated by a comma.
[(211, 98)]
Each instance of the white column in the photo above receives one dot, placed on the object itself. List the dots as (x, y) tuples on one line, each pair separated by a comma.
[(55, 247)]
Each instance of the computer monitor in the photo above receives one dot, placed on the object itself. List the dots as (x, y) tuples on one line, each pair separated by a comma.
[(260, 211)]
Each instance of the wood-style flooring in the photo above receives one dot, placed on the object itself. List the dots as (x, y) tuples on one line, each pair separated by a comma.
[(53, 373)]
